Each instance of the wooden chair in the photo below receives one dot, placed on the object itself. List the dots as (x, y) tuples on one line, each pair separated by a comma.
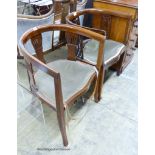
[(59, 83), (62, 8), (102, 21), (25, 22)]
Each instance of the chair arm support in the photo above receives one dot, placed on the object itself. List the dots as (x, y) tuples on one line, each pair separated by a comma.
[(33, 61), (37, 63)]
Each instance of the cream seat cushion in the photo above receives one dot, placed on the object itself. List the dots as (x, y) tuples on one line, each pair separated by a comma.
[(111, 50), (74, 76)]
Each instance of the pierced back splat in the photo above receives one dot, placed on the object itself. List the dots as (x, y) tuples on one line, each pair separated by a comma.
[(37, 44), (103, 22), (72, 45)]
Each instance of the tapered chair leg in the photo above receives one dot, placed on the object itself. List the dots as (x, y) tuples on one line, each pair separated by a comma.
[(118, 66), (60, 109), (99, 85), (120, 63), (62, 126)]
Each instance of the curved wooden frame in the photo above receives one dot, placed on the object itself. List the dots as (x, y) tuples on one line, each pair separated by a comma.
[(72, 16), (115, 60), (40, 64)]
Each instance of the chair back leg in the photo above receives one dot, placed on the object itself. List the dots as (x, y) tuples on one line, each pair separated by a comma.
[(119, 65)]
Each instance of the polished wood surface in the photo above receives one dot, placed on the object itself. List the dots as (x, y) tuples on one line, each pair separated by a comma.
[(117, 6), (128, 3), (118, 27)]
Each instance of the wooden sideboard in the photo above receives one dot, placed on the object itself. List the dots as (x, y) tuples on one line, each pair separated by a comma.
[(118, 28)]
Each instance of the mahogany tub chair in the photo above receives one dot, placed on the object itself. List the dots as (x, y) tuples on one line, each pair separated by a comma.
[(102, 21), (60, 83)]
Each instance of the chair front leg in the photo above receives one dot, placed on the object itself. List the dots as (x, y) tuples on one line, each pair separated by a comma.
[(99, 84), (62, 126), (119, 65), (60, 109)]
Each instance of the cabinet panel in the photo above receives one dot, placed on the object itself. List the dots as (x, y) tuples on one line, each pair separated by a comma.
[(103, 5), (119, 26)]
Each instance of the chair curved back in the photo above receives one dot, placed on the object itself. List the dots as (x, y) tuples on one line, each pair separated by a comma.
[(71, 37), (101, 21), (25, 22)]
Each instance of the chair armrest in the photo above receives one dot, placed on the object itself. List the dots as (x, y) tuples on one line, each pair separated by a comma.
[(32, 60)]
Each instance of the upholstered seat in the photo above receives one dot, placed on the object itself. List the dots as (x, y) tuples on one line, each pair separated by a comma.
[(112, 49), (74, 77)]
